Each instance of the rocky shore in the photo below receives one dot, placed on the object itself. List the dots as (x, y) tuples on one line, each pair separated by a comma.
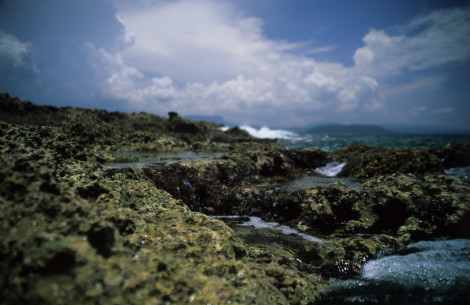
[(84, 223)]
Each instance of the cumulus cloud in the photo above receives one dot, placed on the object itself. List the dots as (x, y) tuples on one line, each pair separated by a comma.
[(199, 40), (16, 56), (206, 56), (429, 41)]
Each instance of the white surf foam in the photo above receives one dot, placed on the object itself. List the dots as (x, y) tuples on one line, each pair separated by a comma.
[(459, 172), (433, 264), (265, 132), (331, 169)]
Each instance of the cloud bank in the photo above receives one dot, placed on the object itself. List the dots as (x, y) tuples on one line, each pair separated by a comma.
[(206, 57), (212, 57)]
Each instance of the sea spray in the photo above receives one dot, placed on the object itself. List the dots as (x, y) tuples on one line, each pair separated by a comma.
[(459, 172), (331, 169), (265, 132), (426, 272)]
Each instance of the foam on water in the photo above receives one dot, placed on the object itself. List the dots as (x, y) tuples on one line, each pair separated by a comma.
[(434, 264), (331, 169), (459, 172), (265, 132), (427, 272)]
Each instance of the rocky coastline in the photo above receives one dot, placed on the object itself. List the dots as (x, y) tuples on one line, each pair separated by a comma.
[(78, 229)]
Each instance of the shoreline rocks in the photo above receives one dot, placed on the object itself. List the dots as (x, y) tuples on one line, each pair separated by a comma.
[(75, 230)]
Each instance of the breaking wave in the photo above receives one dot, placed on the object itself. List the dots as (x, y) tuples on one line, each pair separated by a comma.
[(265, 132), (331, 169)]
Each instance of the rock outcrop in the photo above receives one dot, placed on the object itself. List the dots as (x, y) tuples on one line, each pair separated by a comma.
[(77, 230)]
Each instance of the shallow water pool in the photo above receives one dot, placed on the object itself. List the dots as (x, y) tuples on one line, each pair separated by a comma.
[(152, 159)]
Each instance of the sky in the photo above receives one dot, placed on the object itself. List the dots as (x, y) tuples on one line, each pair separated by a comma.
[(278, 63)]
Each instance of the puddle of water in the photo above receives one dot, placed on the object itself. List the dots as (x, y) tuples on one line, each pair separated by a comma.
[(276, 238), (152, 159), (324, 176), (310, 181), (258, 223)]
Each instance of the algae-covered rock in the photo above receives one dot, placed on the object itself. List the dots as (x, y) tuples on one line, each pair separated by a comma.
[(117, 130), (328, 209), (346, 258), (398, 205), (239, 183), (420, 206), (456, 155), (365, 162), (75, 230), (72, 234)]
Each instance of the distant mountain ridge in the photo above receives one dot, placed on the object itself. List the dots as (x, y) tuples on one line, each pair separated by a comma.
[(341, 129), (356, 129), (218, 119)]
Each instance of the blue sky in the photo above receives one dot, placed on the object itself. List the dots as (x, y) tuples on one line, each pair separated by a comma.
[(276, 63)]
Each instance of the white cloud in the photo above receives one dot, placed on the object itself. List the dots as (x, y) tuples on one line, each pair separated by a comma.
[(321, 80), (363, 56), (205, 56), (202, 40), (429, 41), (15, 56), (215, 59)]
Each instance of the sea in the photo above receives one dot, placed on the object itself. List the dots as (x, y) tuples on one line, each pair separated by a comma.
[(328, 142)]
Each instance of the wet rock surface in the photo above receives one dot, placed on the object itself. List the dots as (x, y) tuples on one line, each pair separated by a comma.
[(77, 230)]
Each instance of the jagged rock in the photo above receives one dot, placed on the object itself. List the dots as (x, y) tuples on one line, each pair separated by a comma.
[(401, 205), (457, 155), (174, 116), (77, 231), (365, 162), (421, 207), (73, 234)]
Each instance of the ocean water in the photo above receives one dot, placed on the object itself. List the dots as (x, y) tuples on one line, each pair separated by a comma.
[(291, 139), (426, 272)]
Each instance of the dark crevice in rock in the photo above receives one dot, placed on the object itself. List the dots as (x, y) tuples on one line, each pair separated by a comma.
[(102, 239)]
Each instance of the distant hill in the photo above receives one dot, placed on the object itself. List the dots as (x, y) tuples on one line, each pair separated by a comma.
[(426, 129), (350, 130), (218, 119)]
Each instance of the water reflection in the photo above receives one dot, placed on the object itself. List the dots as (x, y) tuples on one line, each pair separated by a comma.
[(151, 159)]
